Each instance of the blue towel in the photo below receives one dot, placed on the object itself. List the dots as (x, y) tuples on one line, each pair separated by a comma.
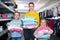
[(15, 22), (47, 36), (18, 23), (16, 34)]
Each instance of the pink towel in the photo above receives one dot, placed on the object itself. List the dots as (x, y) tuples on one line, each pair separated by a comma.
[(29, 24), (15, 29), (4, 15)]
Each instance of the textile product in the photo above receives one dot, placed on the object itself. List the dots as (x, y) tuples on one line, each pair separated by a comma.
[(40, 32), (47, 36), (9, 15), (58, 10), (28, 34), (51, 24), (49, 13), (14, 28), (33, 15), (54, 11), (41, 15), (42, 28), (15, 24), (16, 34), (0, 0), (1, 29), (16, 38), (4, 15), (29, 23)]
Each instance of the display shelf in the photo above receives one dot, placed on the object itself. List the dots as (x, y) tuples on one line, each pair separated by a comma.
[(54, 18), (3, 32), (5, 19), (6, 6)]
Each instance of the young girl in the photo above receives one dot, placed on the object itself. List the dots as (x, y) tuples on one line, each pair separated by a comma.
[(15, 27), (43, 32)]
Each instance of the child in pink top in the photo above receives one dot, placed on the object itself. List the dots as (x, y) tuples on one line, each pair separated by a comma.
[(43, 32)]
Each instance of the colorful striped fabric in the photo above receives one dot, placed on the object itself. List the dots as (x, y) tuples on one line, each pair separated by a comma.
[(29, 22), (15, 22), (15, 25), (47, 36)]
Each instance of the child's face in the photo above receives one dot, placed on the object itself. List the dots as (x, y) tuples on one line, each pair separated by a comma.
[(43, 22), (16, 16)]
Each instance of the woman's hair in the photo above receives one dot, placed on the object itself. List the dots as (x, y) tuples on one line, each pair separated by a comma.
[(31, 3)]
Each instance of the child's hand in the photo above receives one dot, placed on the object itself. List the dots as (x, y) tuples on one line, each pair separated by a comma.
[(40, 33), (18, 30), (12, 29), (45, 32)]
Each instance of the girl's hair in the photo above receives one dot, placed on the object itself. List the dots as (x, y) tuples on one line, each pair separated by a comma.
[(16, 12), (45, 20)]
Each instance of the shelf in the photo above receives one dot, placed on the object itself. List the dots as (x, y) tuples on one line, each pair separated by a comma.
[(54, 18), (3, 32), (6, 7), (5, 19)]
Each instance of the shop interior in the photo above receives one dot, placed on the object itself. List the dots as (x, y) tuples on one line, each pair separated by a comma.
[(49, 9)]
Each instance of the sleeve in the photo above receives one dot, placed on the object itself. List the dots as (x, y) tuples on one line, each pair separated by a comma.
[(21, 26), (49, 28), (38, 29), (21, 22), (8, 23), (38, 19), (25, 14)]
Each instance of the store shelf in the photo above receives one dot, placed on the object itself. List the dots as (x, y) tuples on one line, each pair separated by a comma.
[(6, 7), (54, 18), (5, 19), (3, 32)]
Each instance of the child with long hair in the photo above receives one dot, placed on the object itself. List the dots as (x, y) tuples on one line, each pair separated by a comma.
[(43, 32)]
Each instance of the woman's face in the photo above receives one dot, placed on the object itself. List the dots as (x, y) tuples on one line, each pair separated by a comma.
[(43, 22), (16, 16), (31, 7)]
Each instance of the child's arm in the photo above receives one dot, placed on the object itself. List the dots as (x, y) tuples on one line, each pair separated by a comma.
[(50, 31), (36, 31)]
